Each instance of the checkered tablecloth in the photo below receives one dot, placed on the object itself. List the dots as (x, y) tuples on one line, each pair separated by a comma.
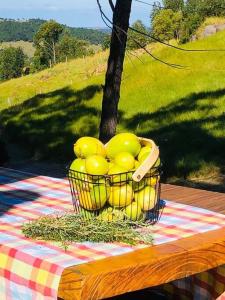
[(31, 270)]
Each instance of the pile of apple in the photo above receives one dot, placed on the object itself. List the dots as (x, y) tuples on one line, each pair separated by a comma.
[(103, 177)]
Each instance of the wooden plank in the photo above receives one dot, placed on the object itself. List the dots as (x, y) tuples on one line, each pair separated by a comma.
[(200, 198), (143, 268), (153, 265)]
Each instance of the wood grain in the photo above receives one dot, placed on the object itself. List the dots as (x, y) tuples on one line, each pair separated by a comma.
[(153, 265)]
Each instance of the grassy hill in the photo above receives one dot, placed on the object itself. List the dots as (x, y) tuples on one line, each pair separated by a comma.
[(27, 47), (183, 110)]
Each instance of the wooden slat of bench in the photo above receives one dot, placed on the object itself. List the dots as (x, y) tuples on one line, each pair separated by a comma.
[(200, 198), (154, 265)]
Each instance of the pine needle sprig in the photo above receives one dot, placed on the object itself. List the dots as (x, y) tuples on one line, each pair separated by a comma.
[(70, 227)]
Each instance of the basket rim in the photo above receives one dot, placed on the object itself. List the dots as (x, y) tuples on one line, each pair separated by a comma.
[(155, 169)]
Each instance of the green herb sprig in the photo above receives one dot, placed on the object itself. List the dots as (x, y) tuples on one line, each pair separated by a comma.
[(72, 227)]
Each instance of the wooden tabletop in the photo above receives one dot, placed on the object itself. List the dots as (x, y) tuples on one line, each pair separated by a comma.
[(154, 265)]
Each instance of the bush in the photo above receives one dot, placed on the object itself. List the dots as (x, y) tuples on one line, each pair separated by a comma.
[(139, 38), (12, 61), (166, 24)]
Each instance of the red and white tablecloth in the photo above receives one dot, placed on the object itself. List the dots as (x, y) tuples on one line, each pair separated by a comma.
[(31, 270)]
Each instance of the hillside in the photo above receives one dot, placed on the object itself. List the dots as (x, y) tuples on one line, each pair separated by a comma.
[(183, 110), (24, 30), (27, 47)]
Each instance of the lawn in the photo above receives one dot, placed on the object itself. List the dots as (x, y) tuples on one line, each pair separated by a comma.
[(182, 109)]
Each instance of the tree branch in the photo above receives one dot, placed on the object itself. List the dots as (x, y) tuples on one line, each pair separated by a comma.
[(111, 5), (106, 19)]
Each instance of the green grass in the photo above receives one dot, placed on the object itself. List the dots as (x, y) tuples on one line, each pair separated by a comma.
[(209, 21), (183, 110)]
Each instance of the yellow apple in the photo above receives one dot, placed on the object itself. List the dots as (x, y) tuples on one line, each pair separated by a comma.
[(96, 165), (125, 160), (87, 146), (121, 196), (146, 198)]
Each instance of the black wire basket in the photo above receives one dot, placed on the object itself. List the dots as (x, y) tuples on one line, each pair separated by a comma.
[(117, 196)]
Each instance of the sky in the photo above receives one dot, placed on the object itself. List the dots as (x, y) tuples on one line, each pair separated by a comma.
[(76, 13)]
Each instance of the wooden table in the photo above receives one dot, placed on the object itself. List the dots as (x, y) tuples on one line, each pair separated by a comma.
[(154, 265)]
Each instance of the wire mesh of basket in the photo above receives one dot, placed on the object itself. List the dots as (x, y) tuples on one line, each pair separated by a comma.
[(133, 195), (117, 196)]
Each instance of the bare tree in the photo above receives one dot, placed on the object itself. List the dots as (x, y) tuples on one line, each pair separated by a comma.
[(111, 94)]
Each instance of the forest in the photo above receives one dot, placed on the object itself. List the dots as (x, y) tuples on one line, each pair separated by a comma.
[(17, 30)]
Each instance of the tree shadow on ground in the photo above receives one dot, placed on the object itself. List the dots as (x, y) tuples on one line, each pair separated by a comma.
[(47, 125), (186, 143), (10, 198), (14, 195)]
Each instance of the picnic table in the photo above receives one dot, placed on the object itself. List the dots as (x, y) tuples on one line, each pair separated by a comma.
[(189, 239)]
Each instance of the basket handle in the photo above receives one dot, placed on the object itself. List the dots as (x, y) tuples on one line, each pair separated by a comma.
[(149, 162)]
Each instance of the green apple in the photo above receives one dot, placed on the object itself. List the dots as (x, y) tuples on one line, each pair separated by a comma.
[(157, 163), (78, 165), (118, 175), (78, 169), (152, 180), (136, 164), (125, 160), (143, 154), (87, 146), (123, 142), (96, 198), (138, 185), (96, 165), (111, 164), (121, 196), (87, 214), (111, 214), (146, 198), (133, 211)]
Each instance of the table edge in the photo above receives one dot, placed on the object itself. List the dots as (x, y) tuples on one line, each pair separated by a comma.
[(174, 260)]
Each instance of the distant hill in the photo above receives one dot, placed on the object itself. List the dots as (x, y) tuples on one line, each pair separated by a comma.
[(24, 30), (27, 47)]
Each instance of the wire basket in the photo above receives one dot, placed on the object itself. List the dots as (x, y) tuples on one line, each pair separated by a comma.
[(132, 195)]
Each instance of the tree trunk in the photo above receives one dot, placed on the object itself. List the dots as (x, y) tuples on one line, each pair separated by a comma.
[(54, 54), (111, 93)]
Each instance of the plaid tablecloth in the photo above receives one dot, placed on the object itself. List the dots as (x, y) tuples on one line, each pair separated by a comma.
[(31, 270)]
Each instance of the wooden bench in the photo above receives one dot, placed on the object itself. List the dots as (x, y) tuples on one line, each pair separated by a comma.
[(154, 265)]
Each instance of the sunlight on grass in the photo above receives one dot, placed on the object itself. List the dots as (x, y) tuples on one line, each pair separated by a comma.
[(183, 110)]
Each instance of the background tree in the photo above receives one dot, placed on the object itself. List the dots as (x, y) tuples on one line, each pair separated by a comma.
[(12, 61), (134, 37), (106, 42), (175, 5), (45, 42), (70, 47), (166, 24), (156, 7)]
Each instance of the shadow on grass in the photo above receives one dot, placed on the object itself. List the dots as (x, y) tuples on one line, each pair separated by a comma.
[(186, 143), (47, 125)]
